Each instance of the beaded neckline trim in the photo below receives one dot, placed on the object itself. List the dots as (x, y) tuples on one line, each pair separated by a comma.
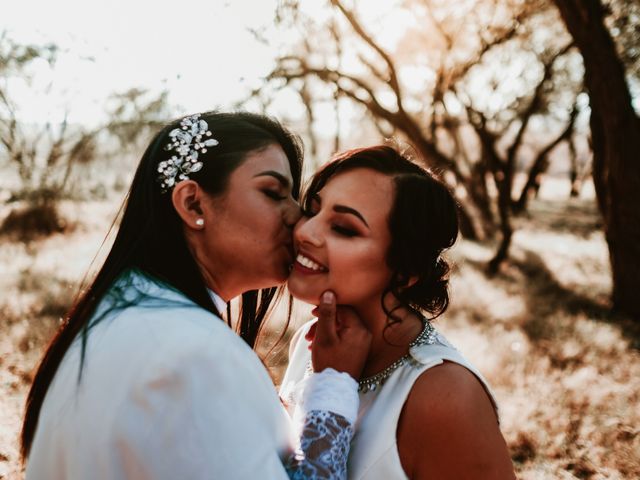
[(372, 383)]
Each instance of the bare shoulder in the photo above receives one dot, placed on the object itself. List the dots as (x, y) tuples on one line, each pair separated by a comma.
[(449, 392), (448, 428)]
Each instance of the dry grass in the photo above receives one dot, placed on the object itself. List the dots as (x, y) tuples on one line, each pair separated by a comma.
[(38, 281), (565, 371)]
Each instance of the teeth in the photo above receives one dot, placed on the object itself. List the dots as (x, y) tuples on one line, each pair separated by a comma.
[(307, 262)]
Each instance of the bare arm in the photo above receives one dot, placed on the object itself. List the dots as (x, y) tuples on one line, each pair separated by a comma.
[(448, 429)]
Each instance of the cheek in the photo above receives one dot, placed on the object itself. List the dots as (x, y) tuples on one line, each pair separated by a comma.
[(360, 276), (259, 220)]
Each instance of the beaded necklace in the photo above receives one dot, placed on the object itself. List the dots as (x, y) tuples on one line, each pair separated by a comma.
[(426, 337), (370, 384)]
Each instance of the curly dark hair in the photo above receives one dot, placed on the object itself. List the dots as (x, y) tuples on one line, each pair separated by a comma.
[(423, 223)]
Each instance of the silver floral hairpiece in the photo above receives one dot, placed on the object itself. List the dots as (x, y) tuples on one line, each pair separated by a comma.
[(187, 142)]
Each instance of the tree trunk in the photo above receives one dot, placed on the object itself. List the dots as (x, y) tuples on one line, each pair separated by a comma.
[(468, 224), (540, 165), (504, 211), (502, 172), (574, 175), (615, 130), (477, 187)]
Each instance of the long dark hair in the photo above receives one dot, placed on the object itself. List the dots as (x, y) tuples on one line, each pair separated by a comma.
[(423, 223), (150, 227)]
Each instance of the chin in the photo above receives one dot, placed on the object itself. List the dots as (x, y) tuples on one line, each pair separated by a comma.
[(303, 294)]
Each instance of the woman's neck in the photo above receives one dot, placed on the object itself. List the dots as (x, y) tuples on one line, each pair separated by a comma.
[(390, 339)]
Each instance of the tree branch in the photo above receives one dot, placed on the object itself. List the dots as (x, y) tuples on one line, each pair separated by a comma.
[(541, 162), (355, 24)]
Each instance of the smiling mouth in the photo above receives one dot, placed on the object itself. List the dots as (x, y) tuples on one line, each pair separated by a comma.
[(309, 265)]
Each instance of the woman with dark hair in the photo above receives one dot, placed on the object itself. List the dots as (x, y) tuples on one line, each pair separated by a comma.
[(144, 379), (374, 230)]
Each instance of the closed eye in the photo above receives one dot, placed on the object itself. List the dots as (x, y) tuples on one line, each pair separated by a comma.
[(274, 195), (344, 231)]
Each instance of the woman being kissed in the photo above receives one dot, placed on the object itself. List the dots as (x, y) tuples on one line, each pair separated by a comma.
[(373, 231)]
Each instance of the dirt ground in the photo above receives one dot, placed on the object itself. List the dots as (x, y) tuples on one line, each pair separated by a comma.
[(565, 371)]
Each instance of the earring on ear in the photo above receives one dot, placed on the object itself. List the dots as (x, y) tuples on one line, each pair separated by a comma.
[(200, 222)]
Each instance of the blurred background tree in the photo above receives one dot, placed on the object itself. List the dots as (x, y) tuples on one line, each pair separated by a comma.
[(44, 155), (41, 154), (134, 115), (484, 90), (615, 131)]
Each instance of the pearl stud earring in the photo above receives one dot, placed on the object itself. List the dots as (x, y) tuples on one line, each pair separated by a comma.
[(200, 222)]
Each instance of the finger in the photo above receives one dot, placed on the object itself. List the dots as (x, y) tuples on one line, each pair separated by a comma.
[(348, 318), (326, 324), (352, 328), (311, 333)]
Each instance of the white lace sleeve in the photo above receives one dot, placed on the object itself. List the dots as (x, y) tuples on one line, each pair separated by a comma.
[(324, 448), (326, 406)]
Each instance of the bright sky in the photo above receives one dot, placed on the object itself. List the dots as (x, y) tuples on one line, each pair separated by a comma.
[(200, 50)]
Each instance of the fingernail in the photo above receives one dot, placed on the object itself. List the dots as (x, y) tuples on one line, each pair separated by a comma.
[(328, 297)]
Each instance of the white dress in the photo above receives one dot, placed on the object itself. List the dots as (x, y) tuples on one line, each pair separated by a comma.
[(168, 391), (374, 450)]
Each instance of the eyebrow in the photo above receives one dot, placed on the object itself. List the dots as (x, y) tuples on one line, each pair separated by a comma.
[(277, 175), (351, 211), (342, 209)]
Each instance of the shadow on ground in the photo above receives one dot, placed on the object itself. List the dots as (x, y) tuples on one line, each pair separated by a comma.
[(547, 300)]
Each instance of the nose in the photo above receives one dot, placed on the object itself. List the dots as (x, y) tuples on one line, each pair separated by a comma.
[(306, 231), (292, 213)]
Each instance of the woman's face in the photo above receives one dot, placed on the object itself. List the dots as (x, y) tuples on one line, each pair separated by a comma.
[(341, 244), (248, 240)]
